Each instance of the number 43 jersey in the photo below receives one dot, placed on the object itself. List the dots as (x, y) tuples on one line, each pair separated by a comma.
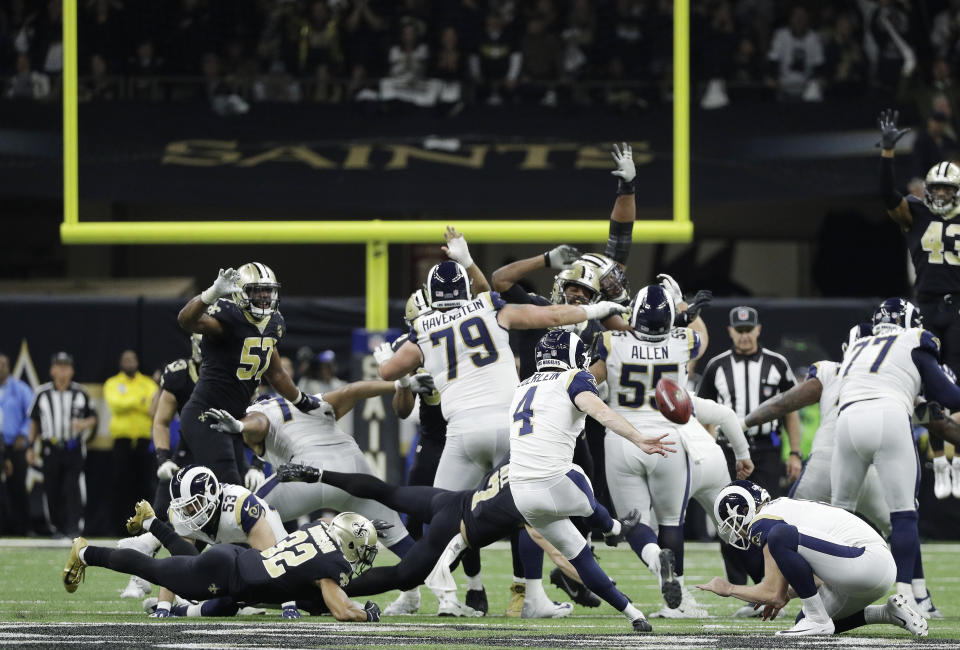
[(234, 362), (468, 353), (882, 366)]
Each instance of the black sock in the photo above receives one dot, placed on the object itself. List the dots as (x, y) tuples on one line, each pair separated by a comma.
[(850, 622)]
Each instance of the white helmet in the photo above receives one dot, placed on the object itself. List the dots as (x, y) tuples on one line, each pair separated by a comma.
[(416, 306), (259, 293), (734, 510), (357, 539), (943, 174), (194, 496)]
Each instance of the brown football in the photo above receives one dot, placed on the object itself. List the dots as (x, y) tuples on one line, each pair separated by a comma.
[(673, 401)]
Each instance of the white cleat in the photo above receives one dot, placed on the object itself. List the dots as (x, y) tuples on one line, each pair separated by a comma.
[(903, 615), (943, 483), (912, 603), (956, 476), (406, 604), (806, 627), (689, 608), (450, 606), (136, 587), (747, 611), (927, 607), (545, 609), (145, 543), (251, 611)]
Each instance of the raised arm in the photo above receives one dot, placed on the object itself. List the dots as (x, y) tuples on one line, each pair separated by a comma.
[(540, 317), (895, 204), (624, 208), (559, 257), (457, 250), (194, 318), (778, 406)]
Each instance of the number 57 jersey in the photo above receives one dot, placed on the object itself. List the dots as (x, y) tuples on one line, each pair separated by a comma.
[(468, 353), (882, 366)]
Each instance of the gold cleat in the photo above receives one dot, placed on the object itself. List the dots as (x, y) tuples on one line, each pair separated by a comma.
[(143, 512), (74, 570), (517, 593)]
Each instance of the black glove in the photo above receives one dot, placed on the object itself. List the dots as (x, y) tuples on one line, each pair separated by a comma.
[(380, 525), (294, 473), (257, 463), (307, 403), (161, 455), (701, 300), (373, 612), (889, 134), (927, 412)]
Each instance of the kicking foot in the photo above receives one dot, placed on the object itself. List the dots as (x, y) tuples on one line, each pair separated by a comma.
[(627, 524)]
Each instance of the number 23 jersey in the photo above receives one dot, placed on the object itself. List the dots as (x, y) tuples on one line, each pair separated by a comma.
[(234, 362), (468, 353)]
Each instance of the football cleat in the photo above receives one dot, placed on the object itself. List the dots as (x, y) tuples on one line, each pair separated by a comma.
[(248, 611), (955, 470), (407, 603), (942, 478), (807, 627), (136, 587), (477, 599), (689, 608), (627, 524), (901, 614), (142, 512), (913, 604), (926, 605), (518, 593), (641, 625), (145, 543), (73, 571), (545, 609), (578, 593), (160, 612), (290, 612), (448, 605), (669, 585), (748, 611)]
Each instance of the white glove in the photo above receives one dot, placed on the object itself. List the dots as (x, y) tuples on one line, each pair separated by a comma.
[(420, 384), (743, 425), (624, 159), (227, 282), (383, 353), (166, 471), (671, 287), (561, 257), (456, 248), (253, 479), (604, 309), (223, 421)]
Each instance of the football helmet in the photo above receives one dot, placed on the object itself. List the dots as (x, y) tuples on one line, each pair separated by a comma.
[(194, 496), (560, 349), (734, 510), (259, 292), (357, 539), (653, 313), (416, 306), (613, 283), (448, 286), (940, 188), (195, 354), (896, 314), (580, 274)]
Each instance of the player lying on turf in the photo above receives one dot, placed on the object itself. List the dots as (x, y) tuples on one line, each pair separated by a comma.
[(831, 559), (312, 564)]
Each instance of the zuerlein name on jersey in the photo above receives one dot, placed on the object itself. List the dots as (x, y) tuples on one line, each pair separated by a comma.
[(540, 376), (448, 317)]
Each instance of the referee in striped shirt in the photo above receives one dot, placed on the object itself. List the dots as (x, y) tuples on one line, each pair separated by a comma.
[(63, 419)]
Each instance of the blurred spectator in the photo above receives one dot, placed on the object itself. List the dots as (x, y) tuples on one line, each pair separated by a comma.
[(129, 394), (542, 55), (27, 83), (915, 187), (934, 144), (320, 56), (449, 69), (407, 79), (366, 27), (845, 67), (716, 32), (495, 65), (321, 377), (97, 86), (145, 63), (189, 35), (221, 91), (797, 57), (579, 40), (101, 30), (15, 399), (625, 39), (62, 419), (945, 33), (925, 92), (274, 86), (888, 31)]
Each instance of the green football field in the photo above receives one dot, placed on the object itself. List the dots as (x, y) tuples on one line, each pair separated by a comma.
[(35, 611)]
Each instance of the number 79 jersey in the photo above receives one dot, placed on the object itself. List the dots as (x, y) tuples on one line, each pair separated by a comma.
[(468, 353), (882, 366), (635, 365)]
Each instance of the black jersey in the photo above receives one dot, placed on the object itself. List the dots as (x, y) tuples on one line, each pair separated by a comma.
[(291, 569), (489, 513), (432, 424), (179, 378), (934, 244), (234, 362)]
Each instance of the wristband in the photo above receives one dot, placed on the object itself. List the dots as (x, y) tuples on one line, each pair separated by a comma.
[(257, 463), (623, 187), (797, 454), (403, 382), (209, 296), (162, 455), (546, 259)]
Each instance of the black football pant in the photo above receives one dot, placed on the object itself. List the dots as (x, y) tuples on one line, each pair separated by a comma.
[(943, 320), (437, 507), (133, 477), (422, 472), (62, 470), (209, 447)]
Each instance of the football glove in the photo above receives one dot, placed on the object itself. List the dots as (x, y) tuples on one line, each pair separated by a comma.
[(456, 248), (927, 412), (166, 468), (253, 479), (296, 473), (373, 611), (561, 257), (420, 384), (307, 403), (701, 300), (223, 421), (889, 133), (671, 287), (227, 282), (382, 353), (380, 525), (604, 309), (290, 610), (626, 170)]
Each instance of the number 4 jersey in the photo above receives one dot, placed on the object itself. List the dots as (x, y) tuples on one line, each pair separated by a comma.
[(468, 353), (234, 362)]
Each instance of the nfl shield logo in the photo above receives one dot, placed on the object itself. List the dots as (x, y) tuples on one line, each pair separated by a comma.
[(742, 314)]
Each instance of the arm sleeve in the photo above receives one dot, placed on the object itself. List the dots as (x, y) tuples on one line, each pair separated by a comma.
[(516, 295), (619, 240), (891, 197), (581, 382), (249, 513), (938, 386), (709, 412), (760, 528)]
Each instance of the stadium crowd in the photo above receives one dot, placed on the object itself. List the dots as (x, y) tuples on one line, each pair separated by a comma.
[(452, 53)]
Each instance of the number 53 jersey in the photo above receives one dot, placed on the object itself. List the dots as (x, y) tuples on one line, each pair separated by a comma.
[(468, 353), (882, 366)]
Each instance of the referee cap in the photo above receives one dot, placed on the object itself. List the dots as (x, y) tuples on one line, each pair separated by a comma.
[(744, 316), (61, 357)]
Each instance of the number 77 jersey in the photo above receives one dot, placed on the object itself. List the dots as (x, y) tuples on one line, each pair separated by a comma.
[(882, 367), (468, 353)]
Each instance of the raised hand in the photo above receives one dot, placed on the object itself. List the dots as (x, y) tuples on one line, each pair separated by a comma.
[(889, 133)]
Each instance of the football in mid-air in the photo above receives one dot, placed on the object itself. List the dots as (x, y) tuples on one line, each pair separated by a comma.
[(673, 401)]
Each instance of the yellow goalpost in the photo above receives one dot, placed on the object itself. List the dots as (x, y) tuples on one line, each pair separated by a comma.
[(376, 234)]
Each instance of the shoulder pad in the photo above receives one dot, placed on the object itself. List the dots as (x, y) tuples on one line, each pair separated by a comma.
[(928, 341)]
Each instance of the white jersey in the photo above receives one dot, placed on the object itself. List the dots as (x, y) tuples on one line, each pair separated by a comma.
[(239, 512), (828, 373), (546, 422), (635, 365), (294, 433), (816, 520), (882, 366), (468, 353)]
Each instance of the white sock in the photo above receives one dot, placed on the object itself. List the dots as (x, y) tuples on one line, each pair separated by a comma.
[(519, 581), (147, 523), (475, 582), (650, 555), (940, 460), (905, 589), (814, 610), (163, 604), (615, 530), (919, 588), (632, 613), (194, 610), (680, 580), (81, 554), (535, 590), (876, 614)]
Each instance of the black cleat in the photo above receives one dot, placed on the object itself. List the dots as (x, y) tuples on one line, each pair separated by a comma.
[(577, 592), (669, 585), (477, 599), (627, 524), (641, 625)]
